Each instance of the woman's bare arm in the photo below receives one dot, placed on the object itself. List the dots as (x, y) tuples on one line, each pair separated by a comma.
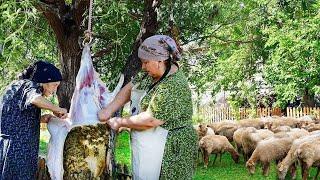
[(120, 100), (43, 103), (141, 121)]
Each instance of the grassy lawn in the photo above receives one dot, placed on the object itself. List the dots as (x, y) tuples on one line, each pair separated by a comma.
[(122, 152), (224, 170)]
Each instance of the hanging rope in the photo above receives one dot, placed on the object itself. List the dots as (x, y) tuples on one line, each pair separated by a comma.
[(88, 32)]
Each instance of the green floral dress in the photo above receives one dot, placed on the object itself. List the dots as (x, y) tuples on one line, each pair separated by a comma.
[(171, 102)]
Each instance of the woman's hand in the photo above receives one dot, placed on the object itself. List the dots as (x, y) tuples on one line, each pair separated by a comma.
[(104, 115), (115, 123), (46, 118), (61, 113)]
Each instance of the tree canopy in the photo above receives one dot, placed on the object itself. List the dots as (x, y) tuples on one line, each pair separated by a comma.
[(265, 53)]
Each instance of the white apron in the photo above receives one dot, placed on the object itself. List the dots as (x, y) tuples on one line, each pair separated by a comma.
[(147, 147)]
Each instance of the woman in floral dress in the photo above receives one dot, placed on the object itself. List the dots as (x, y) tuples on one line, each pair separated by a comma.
[(163, 141)]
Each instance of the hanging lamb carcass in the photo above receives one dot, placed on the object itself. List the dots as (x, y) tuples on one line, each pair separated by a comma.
[(77, 147)]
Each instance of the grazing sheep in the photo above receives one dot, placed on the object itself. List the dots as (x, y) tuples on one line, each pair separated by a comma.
[(312, 127), (282, 121), (280, 129), (291, 157), (251, 139), (227, 130), (304, 121), (203, 130), (216, 144), (237, 137), (216, 125), (309, 155), (256, 123), (267, 151), (296, 133)]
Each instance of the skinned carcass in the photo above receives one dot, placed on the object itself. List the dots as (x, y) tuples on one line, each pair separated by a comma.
[(77, 146)]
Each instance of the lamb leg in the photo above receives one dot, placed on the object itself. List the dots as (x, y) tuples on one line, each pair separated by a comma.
[(305, 170), (293, 170), (215, 158), (206, 158), (266, 168)]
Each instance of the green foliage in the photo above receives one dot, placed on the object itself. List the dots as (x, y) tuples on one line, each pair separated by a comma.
[(293, 43), (114, 25), (227, 44), (275, 40), (197, 119), (24, 38)]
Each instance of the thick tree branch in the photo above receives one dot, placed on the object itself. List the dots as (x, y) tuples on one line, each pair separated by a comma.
[(52, 16), (149, 26), (79, 8), (58, 4)]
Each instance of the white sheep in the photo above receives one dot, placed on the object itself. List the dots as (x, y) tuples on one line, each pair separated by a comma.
[(291, 157), (309, 155), (237, 137), (251, 139), (267, 151), (216, 144)]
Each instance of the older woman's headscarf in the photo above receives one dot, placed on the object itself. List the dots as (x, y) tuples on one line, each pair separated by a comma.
[(159, 48), (42, 72)]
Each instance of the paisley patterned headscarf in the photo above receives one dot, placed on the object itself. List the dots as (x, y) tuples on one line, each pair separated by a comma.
[(159, 48)]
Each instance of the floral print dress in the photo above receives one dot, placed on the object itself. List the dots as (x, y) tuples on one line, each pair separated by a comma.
[(171, 102)]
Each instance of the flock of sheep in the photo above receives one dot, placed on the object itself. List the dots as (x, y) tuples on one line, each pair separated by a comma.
[(287, 141)]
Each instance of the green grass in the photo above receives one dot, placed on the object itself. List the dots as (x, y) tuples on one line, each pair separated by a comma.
[(224, 170), (123, 151)]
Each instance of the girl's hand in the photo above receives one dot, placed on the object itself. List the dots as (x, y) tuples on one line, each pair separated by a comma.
[(61, 113), (46, 118)]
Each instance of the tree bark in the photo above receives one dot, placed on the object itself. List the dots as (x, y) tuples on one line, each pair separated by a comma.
[(65, 21), (308, 99), (149, 27)]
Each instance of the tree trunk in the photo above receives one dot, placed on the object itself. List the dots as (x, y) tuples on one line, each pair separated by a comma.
[(70, 63), (308, 99), (65, 21), (149, 27)]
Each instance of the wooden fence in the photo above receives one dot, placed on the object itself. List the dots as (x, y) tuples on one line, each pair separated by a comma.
[(299, 112), (211, 114)]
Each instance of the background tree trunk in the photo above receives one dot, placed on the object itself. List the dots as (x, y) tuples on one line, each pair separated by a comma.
[(65, 21), (308, 99), (149, 27), (70, 63)]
